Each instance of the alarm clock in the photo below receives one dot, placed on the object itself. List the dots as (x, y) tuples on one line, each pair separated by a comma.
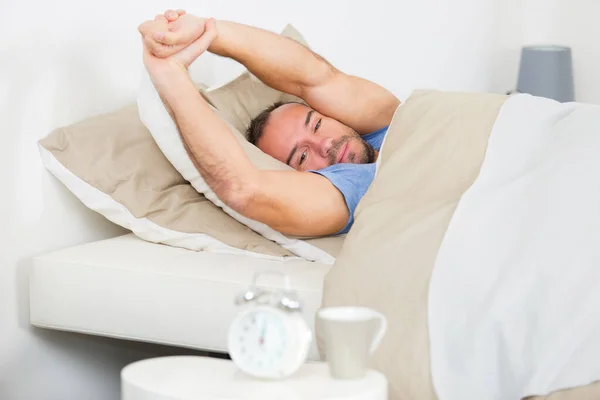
[(269, 339)]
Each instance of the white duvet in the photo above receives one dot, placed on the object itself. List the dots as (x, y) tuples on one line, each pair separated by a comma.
[(514, 300)]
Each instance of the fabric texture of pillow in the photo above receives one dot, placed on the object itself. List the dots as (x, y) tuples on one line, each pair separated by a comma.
[(112, 164), (237, 102)]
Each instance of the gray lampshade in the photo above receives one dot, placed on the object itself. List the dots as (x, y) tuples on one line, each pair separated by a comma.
[(547, 71)]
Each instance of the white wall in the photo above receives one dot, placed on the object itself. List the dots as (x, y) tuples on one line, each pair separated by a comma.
[(62, 61), (571, 23)]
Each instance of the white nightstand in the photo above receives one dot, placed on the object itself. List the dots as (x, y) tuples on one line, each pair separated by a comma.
[(199, 378)]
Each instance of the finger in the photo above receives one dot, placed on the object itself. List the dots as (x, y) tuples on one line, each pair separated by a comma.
[(160, 50), (160, 17), (145, 48), (181, 12), (150, 46), (143, 27), (171, 15), (172, 38), (203, 43), (169, 38), (211, 28), (157, 49)]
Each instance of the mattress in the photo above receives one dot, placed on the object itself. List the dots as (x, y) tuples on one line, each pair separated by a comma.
[(127, 288)]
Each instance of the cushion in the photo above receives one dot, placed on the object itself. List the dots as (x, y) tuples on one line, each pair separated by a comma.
[(237, 103), (112, 164)]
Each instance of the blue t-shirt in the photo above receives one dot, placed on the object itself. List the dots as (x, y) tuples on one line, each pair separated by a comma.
[(353, 180)]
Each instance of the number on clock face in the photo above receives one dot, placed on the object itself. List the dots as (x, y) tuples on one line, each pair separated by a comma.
[(261, 341)]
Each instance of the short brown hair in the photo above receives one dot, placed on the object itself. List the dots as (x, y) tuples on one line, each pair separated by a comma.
[(258, 123)]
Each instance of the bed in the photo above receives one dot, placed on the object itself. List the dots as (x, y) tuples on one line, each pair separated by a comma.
[(410, 235), (128, 288)]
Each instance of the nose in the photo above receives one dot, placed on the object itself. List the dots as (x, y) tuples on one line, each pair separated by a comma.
[(323, 145)]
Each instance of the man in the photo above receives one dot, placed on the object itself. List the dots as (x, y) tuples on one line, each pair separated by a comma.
[(332, 144)]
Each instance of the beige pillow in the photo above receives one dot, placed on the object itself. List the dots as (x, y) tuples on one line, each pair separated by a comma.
[(112, 164)]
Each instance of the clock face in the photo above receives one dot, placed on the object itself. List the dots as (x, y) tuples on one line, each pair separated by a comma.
[(259, 342)]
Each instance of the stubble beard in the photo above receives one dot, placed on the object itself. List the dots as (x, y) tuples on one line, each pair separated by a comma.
[(366, 155)]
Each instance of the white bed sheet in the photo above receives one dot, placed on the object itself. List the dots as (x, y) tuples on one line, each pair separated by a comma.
[(127, 288)]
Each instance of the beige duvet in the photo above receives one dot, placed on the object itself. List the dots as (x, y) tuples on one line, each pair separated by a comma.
[(433, 153)]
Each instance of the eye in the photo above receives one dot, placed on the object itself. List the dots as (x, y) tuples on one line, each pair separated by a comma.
[(302, 158), (318, 125)]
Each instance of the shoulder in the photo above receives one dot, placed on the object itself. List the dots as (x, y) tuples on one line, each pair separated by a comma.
[(352, 181), (375, 139)]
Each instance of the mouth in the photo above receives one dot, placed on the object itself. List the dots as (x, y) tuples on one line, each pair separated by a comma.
[(342, 153)]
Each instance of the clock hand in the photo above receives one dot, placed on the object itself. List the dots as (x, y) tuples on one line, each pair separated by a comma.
[(261, 340)]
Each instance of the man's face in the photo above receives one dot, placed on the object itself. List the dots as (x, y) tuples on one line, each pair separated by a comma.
[(306, 140)]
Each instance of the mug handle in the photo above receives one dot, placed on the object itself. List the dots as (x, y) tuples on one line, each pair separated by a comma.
[(380, 333)]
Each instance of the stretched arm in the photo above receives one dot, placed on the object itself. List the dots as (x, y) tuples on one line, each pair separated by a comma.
[(283, 200), (290, 67)]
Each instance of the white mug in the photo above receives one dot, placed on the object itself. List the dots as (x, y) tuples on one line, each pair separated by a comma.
[(351, 335)]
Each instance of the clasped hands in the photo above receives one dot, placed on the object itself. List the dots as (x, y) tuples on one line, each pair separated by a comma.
[(175, 38)]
